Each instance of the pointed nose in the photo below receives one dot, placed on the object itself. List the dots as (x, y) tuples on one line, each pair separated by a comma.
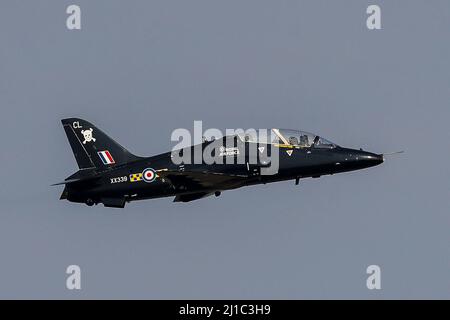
[(368, 159), (372, 157), (359, 159)]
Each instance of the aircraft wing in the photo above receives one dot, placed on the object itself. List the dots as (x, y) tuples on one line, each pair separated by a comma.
[(185, 180), (192, 196)]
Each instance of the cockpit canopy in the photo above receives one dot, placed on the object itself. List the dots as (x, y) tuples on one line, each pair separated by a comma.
[(289, 137)]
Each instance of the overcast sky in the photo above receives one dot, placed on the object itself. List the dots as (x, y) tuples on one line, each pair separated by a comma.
[(140, 69)]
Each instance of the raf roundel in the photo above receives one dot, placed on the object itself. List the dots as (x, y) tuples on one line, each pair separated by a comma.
[(149, 175)]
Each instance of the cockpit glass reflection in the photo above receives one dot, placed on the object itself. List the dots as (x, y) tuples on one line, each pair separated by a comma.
[(291, 137), (302, 139)]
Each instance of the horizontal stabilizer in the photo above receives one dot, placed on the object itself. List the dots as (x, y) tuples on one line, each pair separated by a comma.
[(75, 180), (66, 182)]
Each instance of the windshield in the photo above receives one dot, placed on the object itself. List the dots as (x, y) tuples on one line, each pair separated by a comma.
[(302, 138), (295, 138)]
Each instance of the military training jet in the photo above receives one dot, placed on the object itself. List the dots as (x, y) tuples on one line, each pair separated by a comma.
[(111, 175)]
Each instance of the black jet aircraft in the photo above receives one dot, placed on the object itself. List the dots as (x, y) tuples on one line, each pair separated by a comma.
[(111, 175)]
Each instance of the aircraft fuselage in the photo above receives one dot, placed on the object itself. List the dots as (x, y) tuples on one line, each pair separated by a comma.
[(124, 183)]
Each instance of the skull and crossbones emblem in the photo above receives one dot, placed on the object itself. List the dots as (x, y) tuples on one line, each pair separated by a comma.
[(87, 134)]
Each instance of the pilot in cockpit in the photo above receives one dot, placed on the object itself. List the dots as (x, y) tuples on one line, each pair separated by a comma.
[(304, 141), (293, 141)]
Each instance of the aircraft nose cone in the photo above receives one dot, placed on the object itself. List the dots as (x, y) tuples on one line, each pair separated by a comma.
[(370, 159), (378, 158), (359, 159)]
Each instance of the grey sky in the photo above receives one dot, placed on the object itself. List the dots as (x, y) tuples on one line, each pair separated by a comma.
[(140, 69)]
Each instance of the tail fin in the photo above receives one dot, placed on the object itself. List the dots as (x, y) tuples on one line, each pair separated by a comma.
[(92, 148)]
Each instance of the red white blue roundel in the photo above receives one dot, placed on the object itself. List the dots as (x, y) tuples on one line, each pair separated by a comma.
[(149, 175)]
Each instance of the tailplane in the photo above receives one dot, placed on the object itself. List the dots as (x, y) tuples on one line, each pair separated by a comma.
[(92, 148)]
